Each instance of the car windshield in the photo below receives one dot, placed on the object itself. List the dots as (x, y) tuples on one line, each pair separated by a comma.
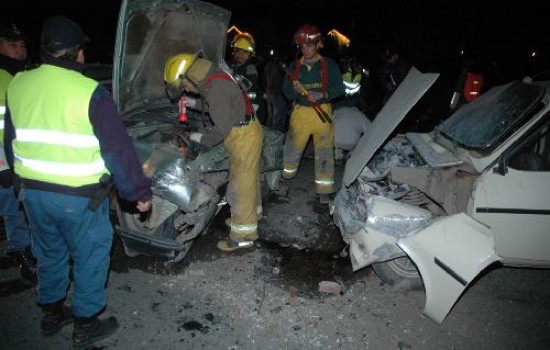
[(485, 122)]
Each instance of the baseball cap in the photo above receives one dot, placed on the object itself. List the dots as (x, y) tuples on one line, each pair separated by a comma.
[(60, 32), (11, 32)]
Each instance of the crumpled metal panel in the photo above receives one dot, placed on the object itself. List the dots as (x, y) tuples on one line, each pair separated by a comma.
[(355, 209), (372, 224), (402, 100)]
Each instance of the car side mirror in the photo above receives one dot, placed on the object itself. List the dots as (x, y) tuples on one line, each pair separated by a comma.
[(501, 167)]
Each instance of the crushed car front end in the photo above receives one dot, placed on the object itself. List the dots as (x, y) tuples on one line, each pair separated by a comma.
[(189, 180)]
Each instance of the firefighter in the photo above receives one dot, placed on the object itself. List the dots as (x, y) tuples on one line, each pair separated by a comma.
[(234, 124), (243, 49), (313, 81)]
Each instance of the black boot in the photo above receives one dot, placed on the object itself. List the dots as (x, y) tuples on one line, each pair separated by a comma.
[(88, 330), (54, 317), (27, 265)]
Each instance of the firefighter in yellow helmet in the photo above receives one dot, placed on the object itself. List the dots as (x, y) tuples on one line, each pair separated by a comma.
[(243, 49), (234, 124), (312, 82)]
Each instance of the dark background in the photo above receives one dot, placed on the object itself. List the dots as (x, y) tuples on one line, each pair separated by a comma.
[(499, 38)]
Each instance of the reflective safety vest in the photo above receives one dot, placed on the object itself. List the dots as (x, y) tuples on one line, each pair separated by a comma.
[(352, 83), (54, 141), (5, 78)]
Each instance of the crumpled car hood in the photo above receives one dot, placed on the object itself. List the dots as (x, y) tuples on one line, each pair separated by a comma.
[(151, 31), (402, 100)]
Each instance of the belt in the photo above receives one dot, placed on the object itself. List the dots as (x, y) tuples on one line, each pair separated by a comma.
[(245, 122)]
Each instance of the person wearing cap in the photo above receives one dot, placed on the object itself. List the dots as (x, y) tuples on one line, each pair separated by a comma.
[(243, 49), (312, 82), (13, 57), (63, 137), (234, 124)]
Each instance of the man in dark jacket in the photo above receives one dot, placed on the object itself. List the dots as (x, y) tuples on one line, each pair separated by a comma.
[(63, 137), (13, 57)]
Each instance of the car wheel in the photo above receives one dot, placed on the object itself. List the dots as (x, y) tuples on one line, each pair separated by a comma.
[(400, 273)]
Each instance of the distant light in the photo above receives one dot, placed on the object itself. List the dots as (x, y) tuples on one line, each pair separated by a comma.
[(461, 52), (340, 38), (271, 52), (534, 54)]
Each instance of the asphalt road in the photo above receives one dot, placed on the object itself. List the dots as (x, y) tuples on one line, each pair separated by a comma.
[(269, 298)]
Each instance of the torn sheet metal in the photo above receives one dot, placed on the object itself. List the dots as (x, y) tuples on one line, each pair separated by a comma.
[(402, 100)]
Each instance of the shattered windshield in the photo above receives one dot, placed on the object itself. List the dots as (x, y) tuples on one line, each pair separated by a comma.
[(483, 123)]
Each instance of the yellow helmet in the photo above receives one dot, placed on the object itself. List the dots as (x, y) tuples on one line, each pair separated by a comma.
[(244, 41), (177, 66)]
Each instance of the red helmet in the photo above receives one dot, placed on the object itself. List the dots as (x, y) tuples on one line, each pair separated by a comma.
[(307, 34)]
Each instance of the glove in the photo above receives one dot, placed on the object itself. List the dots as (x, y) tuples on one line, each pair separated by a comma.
[(195, 136)]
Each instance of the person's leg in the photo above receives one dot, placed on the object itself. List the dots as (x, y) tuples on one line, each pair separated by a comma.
[(53, 262), (18, 234), (296, 140), (323, 142), (244, 145)]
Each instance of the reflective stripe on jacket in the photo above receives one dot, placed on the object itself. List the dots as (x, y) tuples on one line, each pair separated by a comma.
[(54, 140)]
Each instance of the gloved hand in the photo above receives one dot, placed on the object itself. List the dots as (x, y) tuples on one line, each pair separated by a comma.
[(144, 206), (195, 136)]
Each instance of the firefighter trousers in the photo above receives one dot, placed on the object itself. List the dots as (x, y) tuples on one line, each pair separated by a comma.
[(304, 122), (244, 145)]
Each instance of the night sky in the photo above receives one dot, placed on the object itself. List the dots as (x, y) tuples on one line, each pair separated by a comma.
[(431, 36)]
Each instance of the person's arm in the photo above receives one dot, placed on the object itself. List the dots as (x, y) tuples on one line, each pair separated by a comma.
[(288, 87), (117, 150), (9, 135)]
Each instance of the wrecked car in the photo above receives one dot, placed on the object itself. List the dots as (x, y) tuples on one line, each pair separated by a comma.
[(435, 209), (189, 180)]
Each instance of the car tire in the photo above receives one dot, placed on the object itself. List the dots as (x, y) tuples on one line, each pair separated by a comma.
[(401, 273)]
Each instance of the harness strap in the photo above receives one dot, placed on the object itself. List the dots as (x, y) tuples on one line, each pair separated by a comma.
[(324, 72), (249, 109)]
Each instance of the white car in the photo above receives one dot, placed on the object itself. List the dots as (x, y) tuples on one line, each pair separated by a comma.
[(436, 209)]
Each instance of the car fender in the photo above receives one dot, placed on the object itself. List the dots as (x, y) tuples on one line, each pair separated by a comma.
[(369, 247), (449, 254), (376, 241)]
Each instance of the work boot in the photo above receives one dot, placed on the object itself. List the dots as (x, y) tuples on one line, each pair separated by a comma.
[(27, 265), (88, 330), (54, 317), (230, 245)]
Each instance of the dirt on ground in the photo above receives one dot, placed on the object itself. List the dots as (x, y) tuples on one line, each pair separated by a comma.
[(269, 297)]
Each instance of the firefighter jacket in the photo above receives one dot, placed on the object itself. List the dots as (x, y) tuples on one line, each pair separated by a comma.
[(323, 76)]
